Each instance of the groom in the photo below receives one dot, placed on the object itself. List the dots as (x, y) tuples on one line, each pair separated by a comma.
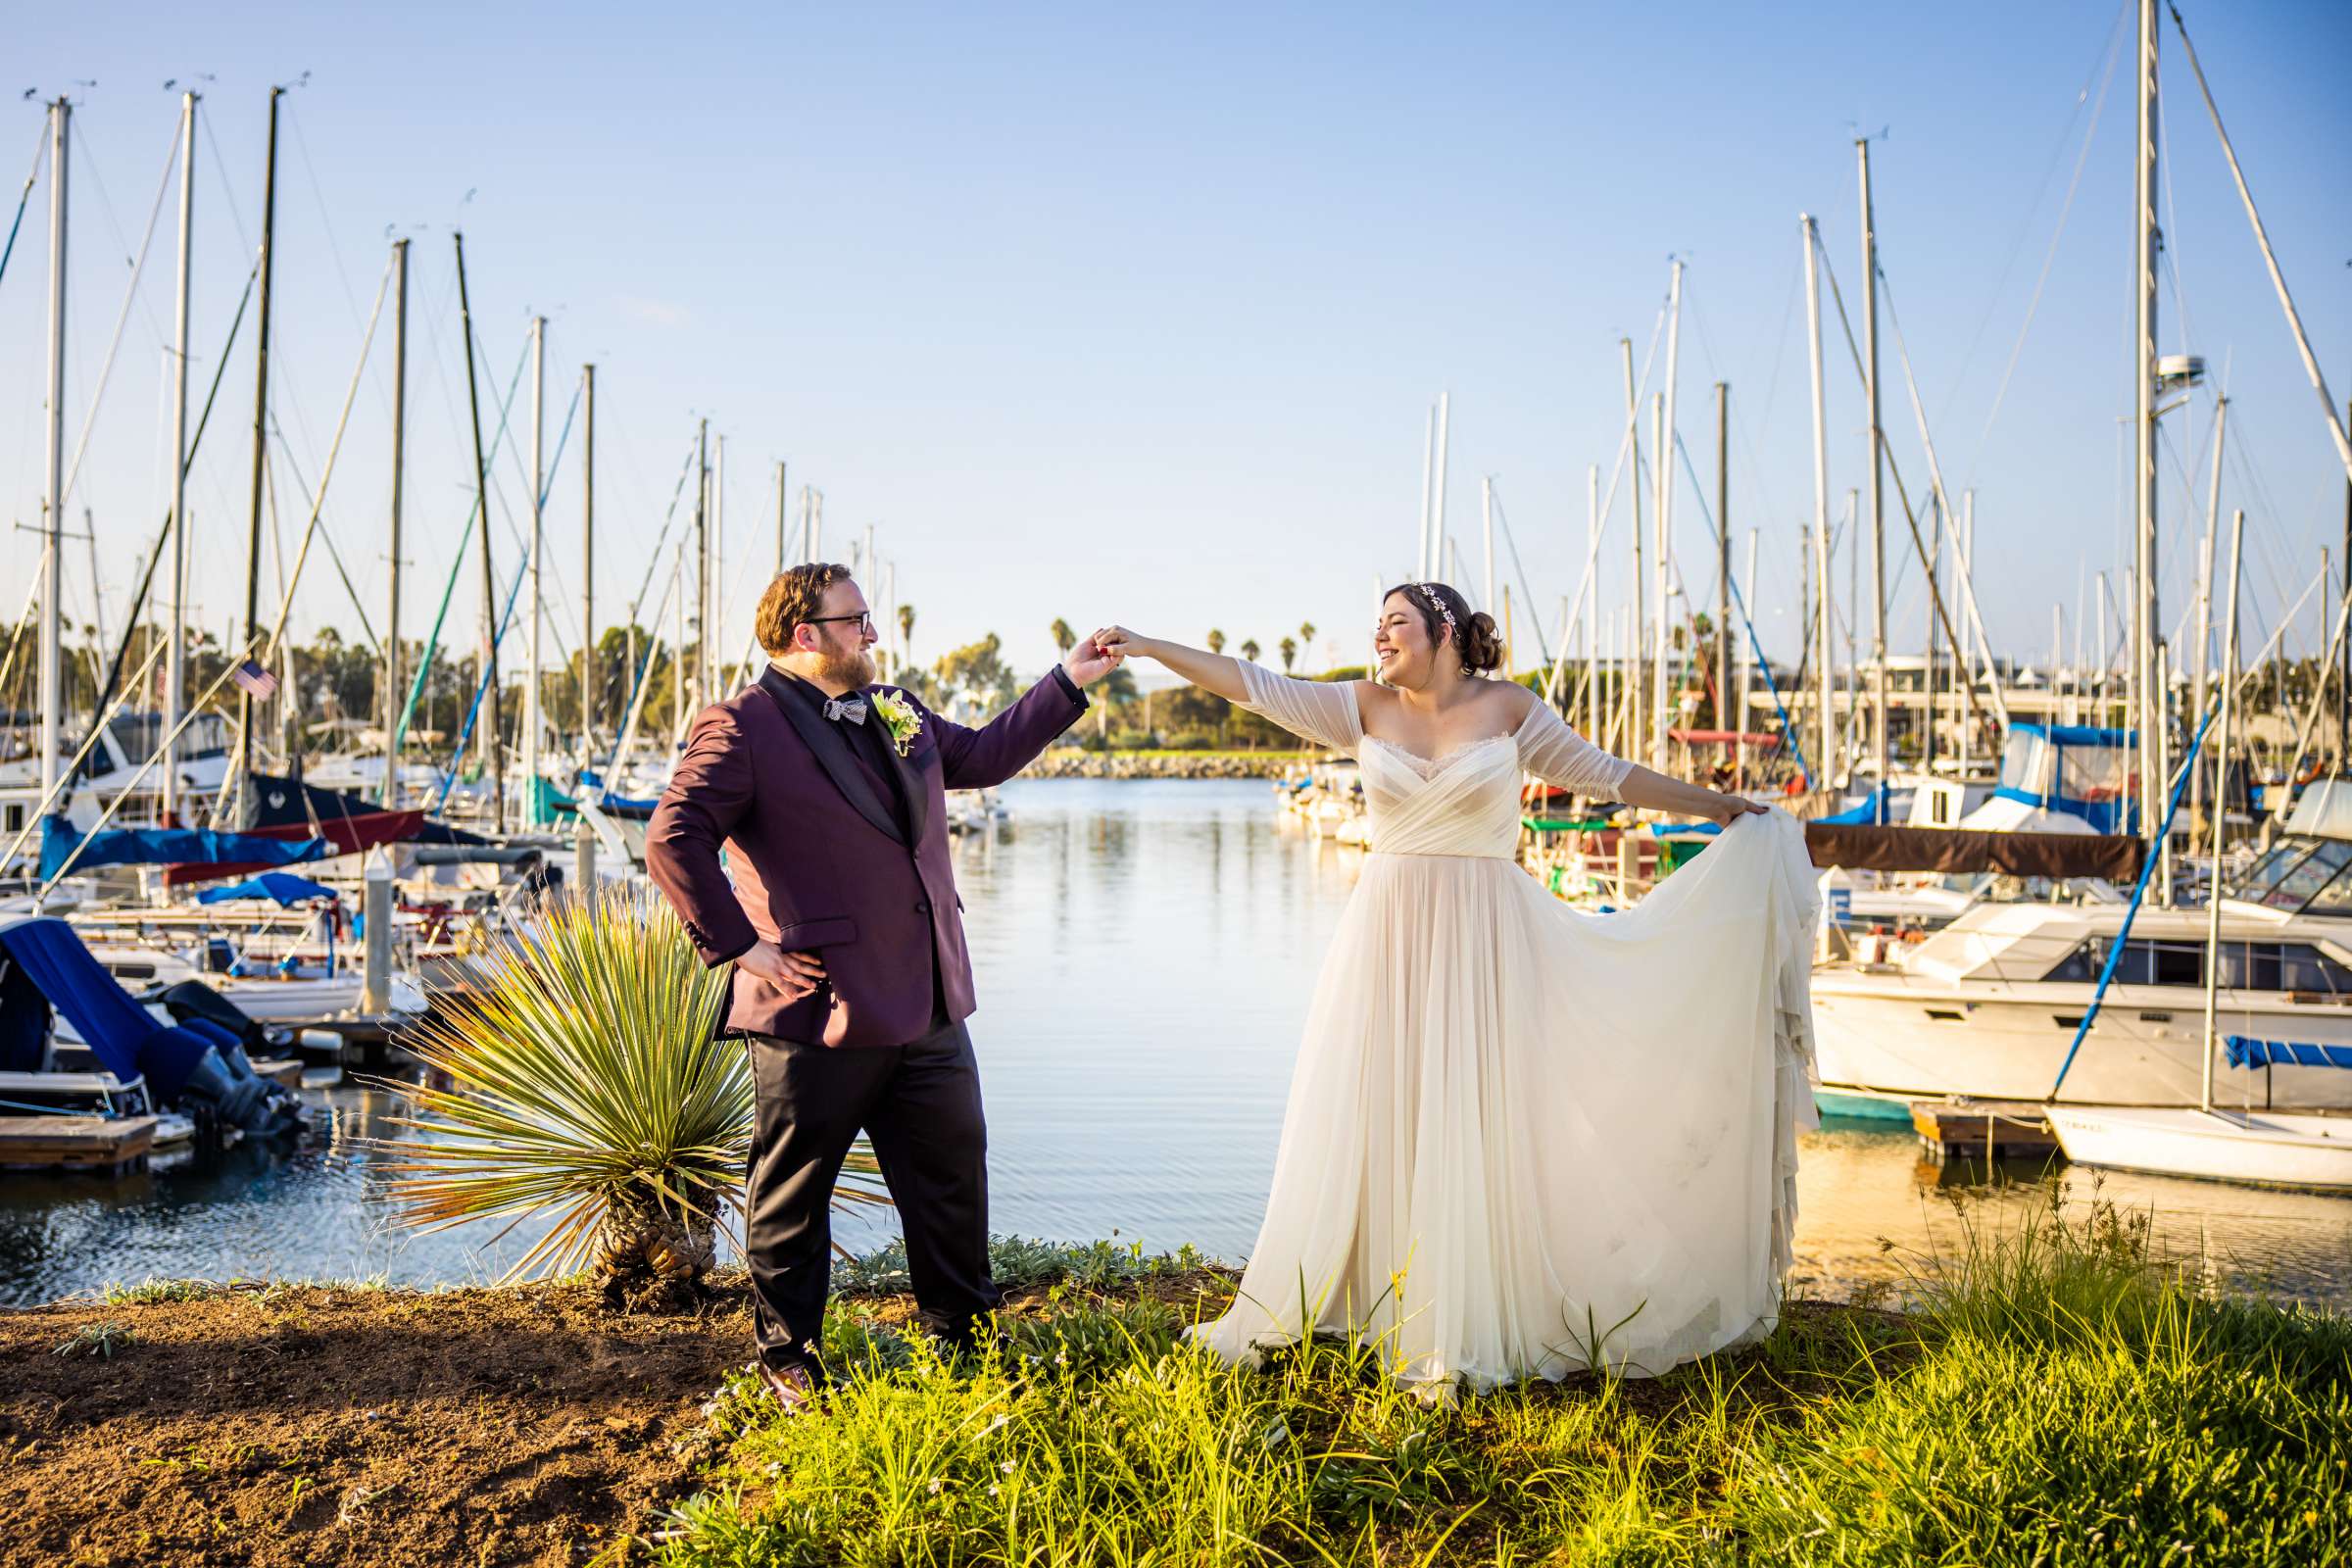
[(852, 982)]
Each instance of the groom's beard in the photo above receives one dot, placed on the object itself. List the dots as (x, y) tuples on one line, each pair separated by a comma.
[(850, 672)]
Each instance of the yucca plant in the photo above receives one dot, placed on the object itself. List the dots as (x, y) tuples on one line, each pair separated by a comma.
[(585, 1079)]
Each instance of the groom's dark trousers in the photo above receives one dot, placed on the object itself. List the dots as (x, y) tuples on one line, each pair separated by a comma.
[(836, 845)]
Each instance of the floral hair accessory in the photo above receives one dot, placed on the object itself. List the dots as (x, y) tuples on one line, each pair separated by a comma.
[(1437, 601)]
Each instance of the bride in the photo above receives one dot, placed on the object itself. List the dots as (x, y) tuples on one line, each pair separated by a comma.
[(1523, 1140)]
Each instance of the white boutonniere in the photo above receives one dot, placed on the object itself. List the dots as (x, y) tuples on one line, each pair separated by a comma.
[(898, 717)]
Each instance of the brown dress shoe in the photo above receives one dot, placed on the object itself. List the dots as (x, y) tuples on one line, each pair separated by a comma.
[(794, 1387)]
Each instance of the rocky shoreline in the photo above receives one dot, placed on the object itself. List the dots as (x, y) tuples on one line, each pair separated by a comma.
[(1072, 762)]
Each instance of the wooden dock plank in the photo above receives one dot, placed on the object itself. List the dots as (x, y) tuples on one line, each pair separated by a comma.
[(1990, 1129), (75, 1143)]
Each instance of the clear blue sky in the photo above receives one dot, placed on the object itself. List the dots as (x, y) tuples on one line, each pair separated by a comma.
[(1122, 316)]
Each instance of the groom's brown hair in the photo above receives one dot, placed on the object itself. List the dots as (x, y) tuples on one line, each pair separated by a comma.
[(797, 595)]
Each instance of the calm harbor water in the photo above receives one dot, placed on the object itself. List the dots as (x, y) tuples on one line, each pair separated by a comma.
[(1144, 954)]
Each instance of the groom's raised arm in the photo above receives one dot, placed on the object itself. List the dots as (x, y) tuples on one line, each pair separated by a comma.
[(708, 793), (979, 758)]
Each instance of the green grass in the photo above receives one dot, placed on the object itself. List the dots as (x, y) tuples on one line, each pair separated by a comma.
[(2053, 1398), (152, 1290)]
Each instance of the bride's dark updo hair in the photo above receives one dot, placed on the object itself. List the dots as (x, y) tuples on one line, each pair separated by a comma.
[(1449, 618)]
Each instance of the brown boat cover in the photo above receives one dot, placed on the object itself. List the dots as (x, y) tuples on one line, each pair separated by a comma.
[(1858, 847)]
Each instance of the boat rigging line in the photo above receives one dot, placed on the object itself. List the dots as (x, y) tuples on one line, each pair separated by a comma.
[(2262, 238)]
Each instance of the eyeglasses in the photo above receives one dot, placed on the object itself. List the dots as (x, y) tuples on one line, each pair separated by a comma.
[(864, 619)]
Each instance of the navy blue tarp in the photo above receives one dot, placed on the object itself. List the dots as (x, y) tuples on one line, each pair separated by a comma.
[(283, 885), (2244, 1052), (165, 846), (44, 951)]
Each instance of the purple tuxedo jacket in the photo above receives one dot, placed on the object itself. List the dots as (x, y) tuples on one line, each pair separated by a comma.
[(820, 863)]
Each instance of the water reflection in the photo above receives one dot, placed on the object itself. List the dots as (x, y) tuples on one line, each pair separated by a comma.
[(1144, 955)]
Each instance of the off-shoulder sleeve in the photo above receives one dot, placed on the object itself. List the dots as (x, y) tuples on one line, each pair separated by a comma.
[(1319, 711), (1558, 755)]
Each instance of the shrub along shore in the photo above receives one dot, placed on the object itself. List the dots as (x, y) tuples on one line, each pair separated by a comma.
[(1070, 761), (2052, 1396)]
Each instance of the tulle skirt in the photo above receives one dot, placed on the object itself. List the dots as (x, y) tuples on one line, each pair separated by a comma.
[(1524, 1140)]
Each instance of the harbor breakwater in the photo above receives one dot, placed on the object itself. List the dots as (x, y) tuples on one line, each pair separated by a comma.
[(1070, 761)]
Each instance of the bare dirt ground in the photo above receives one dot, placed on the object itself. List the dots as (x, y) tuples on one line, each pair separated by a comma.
[(312, 1426)]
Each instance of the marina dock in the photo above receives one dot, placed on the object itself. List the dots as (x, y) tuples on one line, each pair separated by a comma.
[(111, 1145), (1992, 1129)]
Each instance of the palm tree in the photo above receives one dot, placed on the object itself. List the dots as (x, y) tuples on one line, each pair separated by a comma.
[(586, 1084), (1290, 655), (1250, 650), (1216, 641), (1064, 638), (1114, 690), (1306, 636), (907, 632)]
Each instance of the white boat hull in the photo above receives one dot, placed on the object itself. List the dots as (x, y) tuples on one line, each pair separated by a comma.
[(1896, 1035), (2282, 1151)]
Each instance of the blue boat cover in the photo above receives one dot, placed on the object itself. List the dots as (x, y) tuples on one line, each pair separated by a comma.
[(2079, 734), (1870, 812), (165, 846), (119, 1031), (2245, 1053), (283, 885)]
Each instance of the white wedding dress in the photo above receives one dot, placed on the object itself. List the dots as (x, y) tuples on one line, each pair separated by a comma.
[(1523, 1140)]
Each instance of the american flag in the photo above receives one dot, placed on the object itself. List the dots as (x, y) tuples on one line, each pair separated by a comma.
[(254, 679)]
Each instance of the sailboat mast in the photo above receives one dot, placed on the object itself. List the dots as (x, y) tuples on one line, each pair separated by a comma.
[(1965, 678), (713, 571), (2213, 901), (261, 447), (1881, 741), (1748, 671), (1723, 569), (783, 527), (1823, 675), (1662, 664), (588, 659), (494, 761), (53, 556), (174, 660), (1486, 514), (2213, 517), (2147, 237), (530, 642), (1630, 678), (1662, 441), (394, 686), (702, 559)]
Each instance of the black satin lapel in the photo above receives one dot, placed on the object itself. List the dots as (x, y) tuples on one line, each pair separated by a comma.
[(910, 780), (832, 753)]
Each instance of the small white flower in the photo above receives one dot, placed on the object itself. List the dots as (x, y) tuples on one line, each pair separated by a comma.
[(992, 1492), (935, 1485), (1007, 1467)]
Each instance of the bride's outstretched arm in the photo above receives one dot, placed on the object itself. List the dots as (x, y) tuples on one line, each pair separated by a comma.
[(1214, 672), (1558, 755), (1322, 712), (1657, 793)]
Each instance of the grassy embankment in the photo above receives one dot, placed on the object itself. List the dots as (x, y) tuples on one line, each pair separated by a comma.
[(2050, 1397)]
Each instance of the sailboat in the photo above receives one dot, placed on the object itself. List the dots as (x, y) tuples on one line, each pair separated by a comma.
[(2269, 1148)]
